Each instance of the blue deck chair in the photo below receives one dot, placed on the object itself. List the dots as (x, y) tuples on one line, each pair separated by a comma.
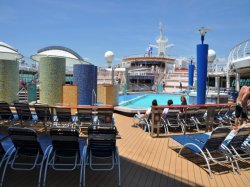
[(28, 153), (206, 146), (102, 152), (66, 152), (238, 145)]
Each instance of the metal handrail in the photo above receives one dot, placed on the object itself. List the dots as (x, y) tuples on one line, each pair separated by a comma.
[(26, 93), (93, 97)]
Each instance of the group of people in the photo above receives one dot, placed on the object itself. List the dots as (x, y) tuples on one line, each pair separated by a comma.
[(241, 109), (165, 111)]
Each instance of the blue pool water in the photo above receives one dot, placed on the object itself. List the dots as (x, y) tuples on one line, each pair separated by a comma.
[(145, 100)]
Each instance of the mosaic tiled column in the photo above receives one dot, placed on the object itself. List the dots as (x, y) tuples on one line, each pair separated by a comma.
[(9, 80), (84, 78), (52, 76)]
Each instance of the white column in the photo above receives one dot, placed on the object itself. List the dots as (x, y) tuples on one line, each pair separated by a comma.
[(237, 82)]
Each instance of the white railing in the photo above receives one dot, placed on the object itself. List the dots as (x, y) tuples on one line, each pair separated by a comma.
[(241, 50)]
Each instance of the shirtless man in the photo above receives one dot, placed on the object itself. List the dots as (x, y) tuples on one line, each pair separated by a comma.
[(241, 106)]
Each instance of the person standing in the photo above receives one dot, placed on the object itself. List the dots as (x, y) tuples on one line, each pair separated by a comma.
[(163, 86), (241, 106), (180, 85)]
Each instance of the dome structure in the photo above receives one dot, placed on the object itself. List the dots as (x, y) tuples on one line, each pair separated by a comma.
[(61, 52), (8, 52)]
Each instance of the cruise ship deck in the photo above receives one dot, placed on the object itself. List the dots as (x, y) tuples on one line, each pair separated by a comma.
[(145, 161)]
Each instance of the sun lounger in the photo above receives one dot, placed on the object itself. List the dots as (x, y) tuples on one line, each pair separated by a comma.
[(66, 152), (207, 146), (102, 147), (6, 114), (43, 113), (28, 153), (23, 112), (238, 145), (171, 120)]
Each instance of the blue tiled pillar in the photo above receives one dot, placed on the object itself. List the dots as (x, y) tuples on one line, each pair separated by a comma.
[(202, 52), (190, 75), (84, 77)]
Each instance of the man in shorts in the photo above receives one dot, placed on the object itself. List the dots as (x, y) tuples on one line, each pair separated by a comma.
[(241, 106)]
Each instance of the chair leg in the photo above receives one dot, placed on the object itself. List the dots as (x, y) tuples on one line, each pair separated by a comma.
[(119, 167), (5, 167), (46, 167)]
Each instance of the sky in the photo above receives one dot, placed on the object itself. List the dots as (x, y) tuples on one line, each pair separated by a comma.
[(126, 27)]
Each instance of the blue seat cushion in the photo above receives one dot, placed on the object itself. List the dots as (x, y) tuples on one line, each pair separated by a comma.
[(45, 141), (184, 139), (202, 137), (6, 144)]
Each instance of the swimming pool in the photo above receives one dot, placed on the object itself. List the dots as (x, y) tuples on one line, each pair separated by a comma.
[(139, 101)]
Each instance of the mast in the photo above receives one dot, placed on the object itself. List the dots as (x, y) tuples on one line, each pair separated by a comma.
[(162, 42)]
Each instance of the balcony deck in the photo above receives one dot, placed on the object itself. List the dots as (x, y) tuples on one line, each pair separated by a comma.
[(145, 161)]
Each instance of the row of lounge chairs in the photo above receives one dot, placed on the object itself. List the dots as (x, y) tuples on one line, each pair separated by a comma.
[(218, 147), (59, 116), (191, 119), (63, 150)]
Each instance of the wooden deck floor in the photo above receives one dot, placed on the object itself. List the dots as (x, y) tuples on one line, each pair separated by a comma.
[(145, 161)]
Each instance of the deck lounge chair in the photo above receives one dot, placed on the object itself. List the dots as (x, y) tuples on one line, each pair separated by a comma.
[(66, 152), (23, 112), (28, 153), (105, 116), (188, 120), (6, 114), (84, 118), (43, 113), (237, 145), (146, 123), (64, 117), (200, 117), (102, 152), (208, 146), (172, 120)]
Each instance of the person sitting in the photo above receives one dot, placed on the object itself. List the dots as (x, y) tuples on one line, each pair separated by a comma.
[(183, 102), (147, 114), (165, 111)]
